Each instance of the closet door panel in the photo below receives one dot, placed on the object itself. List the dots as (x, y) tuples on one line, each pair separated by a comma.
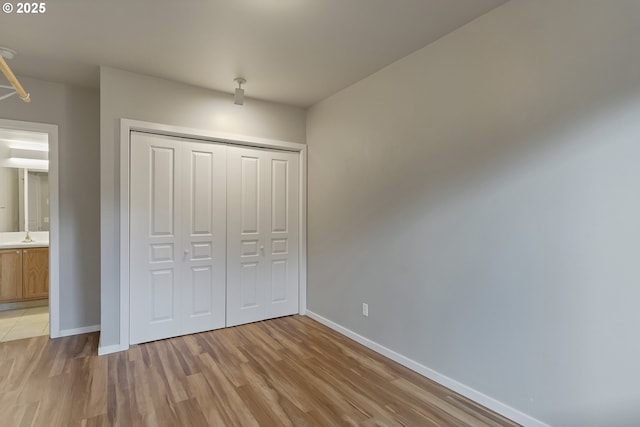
[(262, 234), (204, 237), (245, 249), (282, 235), (155, 218), (177, 237)]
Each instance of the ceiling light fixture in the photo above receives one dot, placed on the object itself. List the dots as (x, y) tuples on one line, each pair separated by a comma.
[(238, 97), (15, 84)]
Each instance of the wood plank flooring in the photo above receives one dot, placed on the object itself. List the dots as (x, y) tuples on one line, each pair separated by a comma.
[(290, 371)]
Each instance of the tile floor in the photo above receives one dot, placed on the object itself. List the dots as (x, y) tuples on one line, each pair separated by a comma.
[(24, 323)]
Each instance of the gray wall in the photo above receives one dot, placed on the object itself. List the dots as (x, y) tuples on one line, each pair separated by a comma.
[(75, 111), (134, 96), (482, 196)]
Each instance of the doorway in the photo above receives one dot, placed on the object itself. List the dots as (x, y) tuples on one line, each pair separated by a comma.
[(29, 248)]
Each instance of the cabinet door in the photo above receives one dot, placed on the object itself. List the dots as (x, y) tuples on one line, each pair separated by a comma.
[(35, 272), (10, 275)]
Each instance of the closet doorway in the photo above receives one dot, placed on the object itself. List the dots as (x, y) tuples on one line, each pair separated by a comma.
[(214, 233)]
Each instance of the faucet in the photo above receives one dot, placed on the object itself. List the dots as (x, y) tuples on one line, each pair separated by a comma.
[(27, 238)]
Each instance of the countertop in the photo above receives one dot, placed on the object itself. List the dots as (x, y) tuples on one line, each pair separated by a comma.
[(22, 245), (14, 239)]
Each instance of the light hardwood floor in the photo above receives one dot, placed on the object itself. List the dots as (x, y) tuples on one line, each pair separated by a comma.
[(291, 371)]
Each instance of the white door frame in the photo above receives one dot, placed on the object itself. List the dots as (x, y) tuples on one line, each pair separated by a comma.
[(126, 127), (54, 223)]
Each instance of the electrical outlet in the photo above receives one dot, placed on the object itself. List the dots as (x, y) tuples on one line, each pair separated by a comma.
[(365, 309)]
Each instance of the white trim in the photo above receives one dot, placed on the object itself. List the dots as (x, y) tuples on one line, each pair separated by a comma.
[(78, 331), (125, 134), (302, 265), (458, 387), (126, 126), (54, 211), (102, 350), (206, 135)]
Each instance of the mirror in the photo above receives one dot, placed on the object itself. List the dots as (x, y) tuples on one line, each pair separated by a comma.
[(24, 181), (37, 207), (9, 200)]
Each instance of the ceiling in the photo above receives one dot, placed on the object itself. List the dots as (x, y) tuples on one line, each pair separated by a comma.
[(296, 52)]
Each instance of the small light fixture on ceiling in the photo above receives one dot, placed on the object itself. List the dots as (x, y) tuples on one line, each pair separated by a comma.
[(238, 97)]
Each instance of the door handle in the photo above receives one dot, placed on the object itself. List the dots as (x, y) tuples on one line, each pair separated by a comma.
[(262, 250)]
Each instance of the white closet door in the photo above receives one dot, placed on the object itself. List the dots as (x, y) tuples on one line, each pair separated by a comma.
[(262, 234), (282, 234), (204, 187), (177, 237), (155, 240)]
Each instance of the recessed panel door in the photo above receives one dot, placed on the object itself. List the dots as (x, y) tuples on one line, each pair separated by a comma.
[(245, 230), (155, 239), (204, 254), (281, 237), (262, 234), (177, 237)]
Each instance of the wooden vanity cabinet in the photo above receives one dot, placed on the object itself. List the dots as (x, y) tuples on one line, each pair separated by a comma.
[(35, 273), (10, 275), (24, 274)]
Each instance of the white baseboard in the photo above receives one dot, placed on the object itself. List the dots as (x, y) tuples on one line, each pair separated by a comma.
[(78, 331), (108, 349), (466, 391)]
